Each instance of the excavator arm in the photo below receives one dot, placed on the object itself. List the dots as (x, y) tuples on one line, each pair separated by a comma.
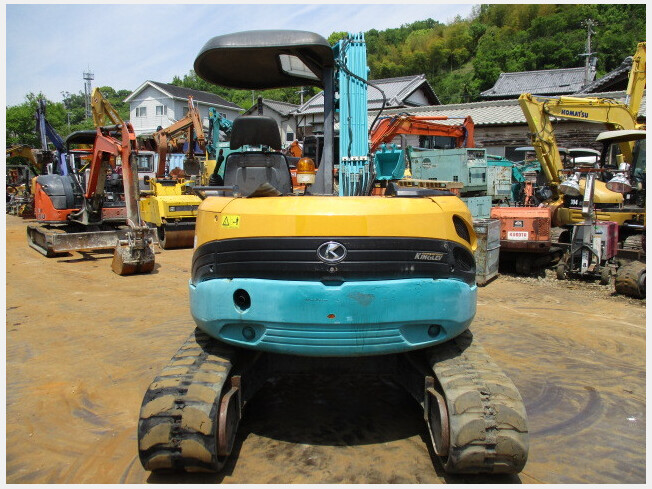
[(191, 123), (103, 111), (613, 114), (216, 123), (105, 146), (543, 139), (47, 132), (636, 83), (387, 129)]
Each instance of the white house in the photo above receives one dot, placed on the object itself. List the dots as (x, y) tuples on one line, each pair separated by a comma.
[(155, 104), (400, 92)]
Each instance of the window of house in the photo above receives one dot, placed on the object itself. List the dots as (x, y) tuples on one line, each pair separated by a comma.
[(161, 110), (185, 111), (141, 111), (289, 136)]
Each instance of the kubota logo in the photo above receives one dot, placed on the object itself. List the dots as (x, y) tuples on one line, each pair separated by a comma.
[(331, 252)]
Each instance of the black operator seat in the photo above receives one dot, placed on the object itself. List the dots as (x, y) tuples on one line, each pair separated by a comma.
[(251, 169)]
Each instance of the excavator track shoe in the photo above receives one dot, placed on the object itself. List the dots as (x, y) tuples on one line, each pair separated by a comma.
[(487, 422), (630, 280), (181, 414), (129, 259)]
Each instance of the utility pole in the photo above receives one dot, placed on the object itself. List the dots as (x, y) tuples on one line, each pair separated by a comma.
[(590, 59), (88, 77)]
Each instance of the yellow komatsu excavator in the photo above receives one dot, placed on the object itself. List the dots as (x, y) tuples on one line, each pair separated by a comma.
[(615, 116), (168, 205)]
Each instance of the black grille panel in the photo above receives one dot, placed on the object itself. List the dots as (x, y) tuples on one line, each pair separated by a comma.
[(461, 229), (464, 260), (296, 258)]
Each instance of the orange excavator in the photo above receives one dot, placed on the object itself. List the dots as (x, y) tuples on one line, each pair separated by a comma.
[(72, 217), (191, 126), (387, 129), (390, 162), (169, 205)]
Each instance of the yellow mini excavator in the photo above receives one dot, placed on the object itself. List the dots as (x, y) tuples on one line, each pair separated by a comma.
[(283, 283)]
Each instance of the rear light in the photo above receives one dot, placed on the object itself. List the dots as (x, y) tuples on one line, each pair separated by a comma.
[(306, 171)]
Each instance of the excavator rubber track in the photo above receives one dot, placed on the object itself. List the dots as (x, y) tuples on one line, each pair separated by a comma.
[(630, 280), (191, 411), (176, 429), (40, 238), (487, 423)]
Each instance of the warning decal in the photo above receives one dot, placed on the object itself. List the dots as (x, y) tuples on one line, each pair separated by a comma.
[(230, 221)]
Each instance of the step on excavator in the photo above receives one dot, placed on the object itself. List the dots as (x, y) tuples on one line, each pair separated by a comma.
[(284, 283), (75, 217), (168, 205)]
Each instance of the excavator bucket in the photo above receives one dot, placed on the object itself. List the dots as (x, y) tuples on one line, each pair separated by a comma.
[(128, 259), (133, 255)]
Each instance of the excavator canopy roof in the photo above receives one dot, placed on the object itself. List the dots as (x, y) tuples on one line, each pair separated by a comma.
[(81, 137), (262, 59)]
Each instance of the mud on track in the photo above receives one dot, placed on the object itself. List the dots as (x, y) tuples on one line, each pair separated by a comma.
[(83, 344)]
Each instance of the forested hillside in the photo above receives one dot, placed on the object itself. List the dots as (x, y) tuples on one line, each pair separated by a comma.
[(460, 59), (466, 56)]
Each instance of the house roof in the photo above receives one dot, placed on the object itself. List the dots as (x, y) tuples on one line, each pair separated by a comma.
[(397, 90), (616, 79), (182, 93), (491, 112), (283, 108), (542, 82)]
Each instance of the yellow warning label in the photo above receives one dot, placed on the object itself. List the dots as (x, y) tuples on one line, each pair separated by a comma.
[(230, 221)]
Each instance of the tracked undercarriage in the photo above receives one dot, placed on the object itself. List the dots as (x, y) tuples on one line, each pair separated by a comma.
[(190, 413)]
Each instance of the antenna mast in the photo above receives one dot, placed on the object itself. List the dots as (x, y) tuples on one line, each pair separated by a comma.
[(88, 77)]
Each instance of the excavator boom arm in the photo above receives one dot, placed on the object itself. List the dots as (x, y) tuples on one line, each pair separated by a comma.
[(543, 138), (388, 129), (103, 111), (191, 122), (636, 83)]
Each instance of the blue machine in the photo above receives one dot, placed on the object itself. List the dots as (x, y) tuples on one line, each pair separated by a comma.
[(302, 284), (46, 131)]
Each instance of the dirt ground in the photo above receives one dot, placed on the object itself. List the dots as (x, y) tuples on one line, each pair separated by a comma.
[(83, 344)]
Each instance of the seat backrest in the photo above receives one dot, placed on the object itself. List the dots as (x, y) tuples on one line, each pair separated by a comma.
[(249, 170), (255, 130)]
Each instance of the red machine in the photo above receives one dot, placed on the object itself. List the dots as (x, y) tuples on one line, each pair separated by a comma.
[(525, 237)]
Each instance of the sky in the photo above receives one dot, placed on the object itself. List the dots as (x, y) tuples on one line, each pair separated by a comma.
[(50, 46)]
